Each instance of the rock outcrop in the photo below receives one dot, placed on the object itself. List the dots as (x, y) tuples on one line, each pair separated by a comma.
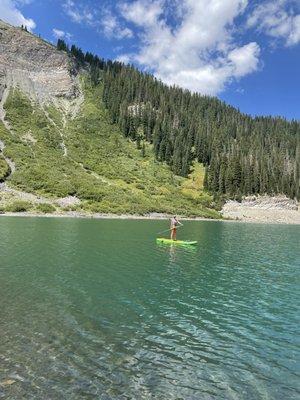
[(279, 209), (41, 71), (265, 203)]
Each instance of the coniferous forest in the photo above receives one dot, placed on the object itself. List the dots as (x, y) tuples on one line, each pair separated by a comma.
[(242, 155)]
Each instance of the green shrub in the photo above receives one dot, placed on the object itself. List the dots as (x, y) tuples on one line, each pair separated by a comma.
[(71, 208), (4, 169), (19, 206), (140, 186), (45, 208)]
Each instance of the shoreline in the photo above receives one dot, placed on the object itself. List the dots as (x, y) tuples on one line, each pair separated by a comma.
[(74, 214)]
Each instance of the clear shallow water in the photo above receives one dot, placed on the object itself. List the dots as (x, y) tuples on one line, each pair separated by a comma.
[(94, 309)]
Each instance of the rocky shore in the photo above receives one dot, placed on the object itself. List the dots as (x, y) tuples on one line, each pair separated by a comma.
[(82, 214), (262, 209), (265, 209)]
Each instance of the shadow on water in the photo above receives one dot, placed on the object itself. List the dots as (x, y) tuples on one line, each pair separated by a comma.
[(96, 309)]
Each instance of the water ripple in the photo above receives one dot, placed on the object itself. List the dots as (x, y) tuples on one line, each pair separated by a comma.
[(95, 309)]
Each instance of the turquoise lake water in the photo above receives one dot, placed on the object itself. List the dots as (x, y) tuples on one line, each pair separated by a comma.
[(95, 309)]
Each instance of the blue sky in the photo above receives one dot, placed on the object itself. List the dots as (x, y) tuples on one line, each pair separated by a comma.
[(245, 52)]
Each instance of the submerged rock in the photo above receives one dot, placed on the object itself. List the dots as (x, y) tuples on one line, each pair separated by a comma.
[(7, 382)]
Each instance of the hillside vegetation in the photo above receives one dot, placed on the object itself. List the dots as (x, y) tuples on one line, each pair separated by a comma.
[(242, 155), (89, 158), (4, 169)]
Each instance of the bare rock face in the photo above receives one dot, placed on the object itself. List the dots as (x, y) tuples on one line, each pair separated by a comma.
[(278, 209), (265, 203), (36, 67)]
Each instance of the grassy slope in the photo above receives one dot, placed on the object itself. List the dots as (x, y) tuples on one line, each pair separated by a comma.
[(4, 169), (106, 171)]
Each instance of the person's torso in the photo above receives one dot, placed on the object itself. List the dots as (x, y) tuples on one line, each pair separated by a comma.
[(174, 222)]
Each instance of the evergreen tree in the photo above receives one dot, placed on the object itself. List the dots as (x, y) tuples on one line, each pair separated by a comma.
[(61, 45), (242, 155)]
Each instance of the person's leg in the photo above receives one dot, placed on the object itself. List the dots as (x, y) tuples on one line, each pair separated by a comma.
[(172, 234)]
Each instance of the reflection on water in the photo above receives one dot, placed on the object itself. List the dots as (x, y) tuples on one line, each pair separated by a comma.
[(96, 309), (174, 249)]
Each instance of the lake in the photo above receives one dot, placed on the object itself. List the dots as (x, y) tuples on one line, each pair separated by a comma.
[(95, 309)]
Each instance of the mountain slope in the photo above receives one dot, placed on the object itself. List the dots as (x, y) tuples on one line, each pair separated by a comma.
[(87, 157), (60, 149), (242, 155), (97, 136)]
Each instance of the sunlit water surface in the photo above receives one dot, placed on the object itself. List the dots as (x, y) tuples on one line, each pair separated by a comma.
[(94, 309)]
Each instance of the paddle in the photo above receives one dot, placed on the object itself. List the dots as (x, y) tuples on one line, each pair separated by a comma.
[(168, 230)]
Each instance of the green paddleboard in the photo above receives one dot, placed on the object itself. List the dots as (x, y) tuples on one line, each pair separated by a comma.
[(182, 242)]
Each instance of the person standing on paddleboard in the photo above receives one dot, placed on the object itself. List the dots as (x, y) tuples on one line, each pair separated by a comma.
[(174, 224)]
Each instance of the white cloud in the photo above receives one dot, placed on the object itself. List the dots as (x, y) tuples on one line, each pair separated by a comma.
[(10, 13), (113, 29), (125, 58), (244, 59), (59, 34), (79, 13), (294, 36), (277, 19), (142, 12), (198, 52), (101, 19), (211, 76), (197, 44)]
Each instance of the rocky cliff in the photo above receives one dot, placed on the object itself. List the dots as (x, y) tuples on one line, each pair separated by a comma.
[(37, 68)]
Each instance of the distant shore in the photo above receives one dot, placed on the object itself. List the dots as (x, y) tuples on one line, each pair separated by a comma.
[(286, 217), (76, 214)]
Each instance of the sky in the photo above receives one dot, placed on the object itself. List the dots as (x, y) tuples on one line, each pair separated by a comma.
[(245, 52)]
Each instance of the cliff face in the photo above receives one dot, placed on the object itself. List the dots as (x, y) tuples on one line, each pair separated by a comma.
[(36, 67)]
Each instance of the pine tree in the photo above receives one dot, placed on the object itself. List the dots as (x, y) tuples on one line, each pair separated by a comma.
[(242, 155), (61, 45)]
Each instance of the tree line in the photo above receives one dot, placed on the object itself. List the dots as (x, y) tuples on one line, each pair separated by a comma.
[(242, 155)]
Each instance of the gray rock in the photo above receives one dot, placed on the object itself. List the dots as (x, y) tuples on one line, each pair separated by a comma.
[(35, 66)]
